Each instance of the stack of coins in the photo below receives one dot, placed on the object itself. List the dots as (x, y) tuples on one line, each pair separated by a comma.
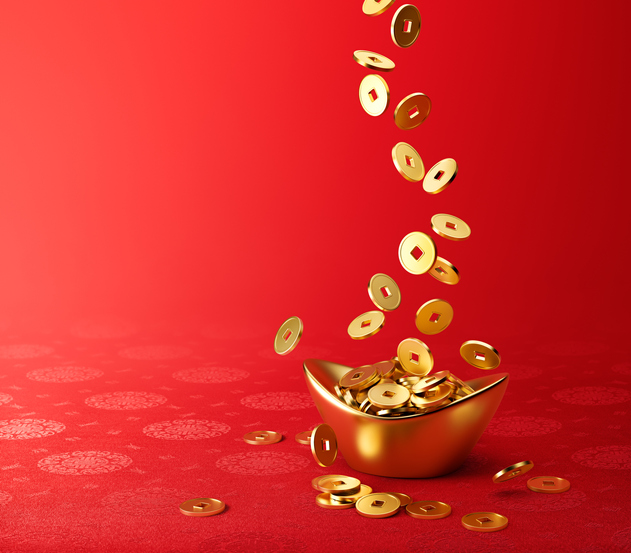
[(339, 491)]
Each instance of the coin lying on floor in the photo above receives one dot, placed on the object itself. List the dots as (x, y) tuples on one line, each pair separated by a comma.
[(378, 505), (263, 437), (484, 522), (548, 484), (202, 507), (428, 510)]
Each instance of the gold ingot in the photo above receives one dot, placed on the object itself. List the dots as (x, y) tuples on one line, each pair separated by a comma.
[(408, 162), (429, 381), (434, 316), (415, 356), (367, 324), (384, 292), (406, 25), (324, 445), (440, 176), (386, 369), (372, 60), (326, 501), (514, 470), (484, 522), (404, 498), (397, 446), (417, 254), (480, 355), (433, 396), (388, 396), (202, 507), (412, 111), (428, 510), (376, 7), (444, 271), (450, 227), (548, 484), (374, 95), (340, 485), (359, 378), (288, 336), (364, 490), (378, 505), (262, 437), (304, 437), (316, 481)]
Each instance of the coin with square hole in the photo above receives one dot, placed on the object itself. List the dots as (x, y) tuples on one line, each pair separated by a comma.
[(324, 445), (372, 60), (408, 162), (518, 469), (434, 316), (386, 369), (404, 498), (288, 336), (405, 26), (374, 95), (480, 355), (327, 501), (548, 484), (366, 325), (364, 490), (388, 396), (450, 227), (262, 437), (430, 381), (202, 507), (428, 510), (417, 253), (440, 176), (433, 397), (415, 356), (412, 111), (484, 522), (340, 485), (462, 388), (444, 271), (316, 481), (359, 378), (384, 292), (376, 7), (378, 505), (304, 437)]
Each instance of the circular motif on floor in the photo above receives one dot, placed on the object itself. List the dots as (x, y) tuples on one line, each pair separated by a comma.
[(124, 401), (592, 395), (5, 498), (64, 374), (571, 348), (278, 401), (5, 398), (103, 329), (23, 351), (84, 462), (443, 541), (520, 498), (146, 501), (210, 375), (262, 463), (522, 372), (519, 427), (25, 429), (249, 542), (622, 368), (616, 457), (157, 352), (186, 429), (305, 353), (622, 539)]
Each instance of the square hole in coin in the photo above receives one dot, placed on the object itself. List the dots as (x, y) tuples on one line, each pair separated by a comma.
[(452, 226), (262, 436), (407, 26), (365, 323), (338, 483), (412, 113), (515, 472), (287, 335), (417, 253), (378, 503), (356, 376), (409, 161), (431, 393), (388, 393), (200, 506), (374, 59), (326, 445), (434, 318), (428, 508), (373, 95), (482, 520), (414, 357), (440, 270), (439, 175), (479, 356), (385, 291), (548, 483)]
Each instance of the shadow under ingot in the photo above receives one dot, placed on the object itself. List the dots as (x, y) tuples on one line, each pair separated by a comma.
[(415, 446)]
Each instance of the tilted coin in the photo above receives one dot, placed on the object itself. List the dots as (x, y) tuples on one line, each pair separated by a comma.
[(374, 95), (408, 162), (324, 445), (480, 355), (514, 470), (386, 369), (288, 336), (434, 316), (366, 406), (384, 292), (359, 378), (548, 484), (417, 254), (433, 396), (450, 227), (440, 176), (376, 7), (365, 325), (263, 437), (460, 384), (409, 381), (316, 481), (364, 490), (202, 507), (399, 411), (340, 485), (304, 437), (326, 501), (415, 356), (349, 399), (484, 522), (373, 60), (430, 381), (378, 505), (428, 509), (338, 392), (388, 396), (404, 498), (444, 271), (427, 407), (412, 111), (406, 25), (361, 396)]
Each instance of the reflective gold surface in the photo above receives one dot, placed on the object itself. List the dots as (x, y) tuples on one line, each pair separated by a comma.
[(339, 485), (434, 316), (405, 26), (324, 445), (378, 505), (364, 490), (548, 484), (327, 501), (365, 325), (202, 507), (428, 510), (359, 378), (484, 522), (408, 162), (412, 111), (288, 336), (430, 381), (374, 95), (404, 498), (440, 176), (316, 481), (304, 437), (384, 292), (372, 60), (262, 437), (415, 356), (388, 396), (450, 227), (514, 470), (444, 271), (417, 253), (376, 7), (480, 355)]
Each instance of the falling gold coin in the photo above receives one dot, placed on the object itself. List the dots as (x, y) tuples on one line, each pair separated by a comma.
[(316, 481), (417, 253), (384, 292), (406, 25), (376, 7), (340, 485), (430, 381), (440, 176), (324, 445), (548, 484), (366, 325), (484, 522), (263, 437), (304, 437), (444, 271), (415, 357), (433, 397), (372, 60), (412, 111), (374, 95), (480, 355), (388, 396), (428, 510), (288, 336), (364, 490), (359, 378), (202, 507), (434, 316), (450, 227), (378, 505), (404, 498), (327, 501), (514, 470), (408, 162)]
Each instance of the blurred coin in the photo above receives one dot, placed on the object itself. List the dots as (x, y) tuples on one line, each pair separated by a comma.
[(324, 445), (408, 162), (444, 271), (417, 254), (434, 316), (376, 7), (384, 292), (433, 396), (364, 490), (484, 522), (406, 25), (385, 369), (349, 399), (425, 406), (340, 485), (388, 396), (399, 411), (428, 509), (316, 481), (366, 406), (378, 505), (327, 502), (450, 227), (548, 484), (460, 384), (409, 381), (338, 392), (288, 336), (262, 437), (202, 507), (374, 95), (359, 378), (304, 437), (361, 396), (412, 111), (430, 381), (415, 356), (514, 470), (372, 60), (365, 325), (440, 176), (404, 498), (480, 355)]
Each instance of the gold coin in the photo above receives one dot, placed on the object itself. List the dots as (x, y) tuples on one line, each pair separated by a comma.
[(384, 292), (385, 369), (434, 316), (324, 445), (360, 378), (514, 470), (429, 381), (372, 60), (364, 490), (450, 227), (361, 396), (484, 522), (376, 7), (460, 384), (440, 176), (444, 271), (409, 381), (366, 406), (428, 510), (417, 254), (548, 484), (366, 325), (316, 481), (408, 162), (202, 507), (339, 393), (412, 111), (349, 399), (262, 437), (326, 500), (378, 505), (433, 396), (425, 407), (388, 396), (399, 411), (480, 355), (374, 95), (403, 498), (288, 336), (340, 485), (415, 356), (304, 437), (406, 25)]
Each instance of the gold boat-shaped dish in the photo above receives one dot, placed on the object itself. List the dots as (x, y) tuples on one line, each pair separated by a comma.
[(415, 446)]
